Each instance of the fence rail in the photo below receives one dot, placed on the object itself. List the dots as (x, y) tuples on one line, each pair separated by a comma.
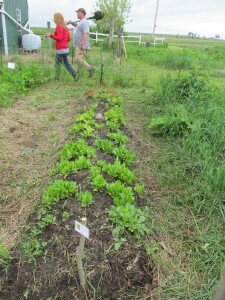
[(138, 38)]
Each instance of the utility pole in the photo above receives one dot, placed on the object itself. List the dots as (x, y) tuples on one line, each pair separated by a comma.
[(156, 14)]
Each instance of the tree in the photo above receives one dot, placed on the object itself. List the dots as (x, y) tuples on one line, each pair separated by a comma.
[(116, 14)]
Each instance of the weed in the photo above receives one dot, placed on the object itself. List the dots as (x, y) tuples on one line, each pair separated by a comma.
[(139, 189), (5, 258), (66, 215), (129, 218)]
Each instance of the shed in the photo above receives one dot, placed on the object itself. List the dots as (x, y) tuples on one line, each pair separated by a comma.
[(14, 22)]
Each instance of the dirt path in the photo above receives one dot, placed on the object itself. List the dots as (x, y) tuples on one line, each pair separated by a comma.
[(31, 133)]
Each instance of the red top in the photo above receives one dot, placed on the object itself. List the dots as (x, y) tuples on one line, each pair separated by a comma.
[(62, 37)]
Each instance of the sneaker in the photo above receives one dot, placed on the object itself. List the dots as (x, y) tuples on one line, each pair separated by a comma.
[(91, 72)]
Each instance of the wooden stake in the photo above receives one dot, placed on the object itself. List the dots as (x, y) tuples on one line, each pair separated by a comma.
[(120, 45), (80, 255), (49, 40)]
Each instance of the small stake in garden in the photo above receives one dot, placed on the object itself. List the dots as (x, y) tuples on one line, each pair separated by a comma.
[(84, 231)]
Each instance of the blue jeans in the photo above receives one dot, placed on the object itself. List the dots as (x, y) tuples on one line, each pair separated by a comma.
[(63, 59)]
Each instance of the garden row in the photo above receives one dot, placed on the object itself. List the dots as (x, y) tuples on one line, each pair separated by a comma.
[(94, 178)]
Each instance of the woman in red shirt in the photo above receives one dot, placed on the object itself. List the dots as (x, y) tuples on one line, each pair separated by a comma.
[(62, 38)]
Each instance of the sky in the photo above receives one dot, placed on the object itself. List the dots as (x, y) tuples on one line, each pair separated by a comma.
[(203, 17)]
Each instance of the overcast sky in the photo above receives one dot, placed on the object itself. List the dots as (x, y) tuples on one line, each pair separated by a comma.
[(204, 17)]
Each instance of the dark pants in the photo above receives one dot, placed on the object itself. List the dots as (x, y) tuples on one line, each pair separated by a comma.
[(63, 59)]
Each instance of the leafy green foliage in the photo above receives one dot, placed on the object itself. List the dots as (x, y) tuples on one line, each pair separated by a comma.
[(22, 79), (66, 215), (47, 220), (33, 246), (98, 182), (66, 167), (120, 171), (123, 154), (180, 86), (104, 145), (85, 199), (120, 193), (118, 138), (176, 124), (59, 190), (73, 150), (5, 257), (139, 189), (113, 126), (129, 218), (115, 115), (95, 171), (87, 116)]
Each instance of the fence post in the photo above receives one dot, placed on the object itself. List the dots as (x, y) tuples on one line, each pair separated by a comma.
[(120, 45), (96, 37), (49, 40), (140, 40)]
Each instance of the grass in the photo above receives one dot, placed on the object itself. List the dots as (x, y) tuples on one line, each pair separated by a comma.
[(186, 196)]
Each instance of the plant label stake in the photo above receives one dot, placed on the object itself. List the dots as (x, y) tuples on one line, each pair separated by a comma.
[(84, 231), (11, 65)]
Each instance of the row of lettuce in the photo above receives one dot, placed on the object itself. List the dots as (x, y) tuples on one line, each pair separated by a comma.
[(114, 179)]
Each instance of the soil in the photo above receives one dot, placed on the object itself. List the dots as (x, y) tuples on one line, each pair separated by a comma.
[(29, 144), (124, 274)]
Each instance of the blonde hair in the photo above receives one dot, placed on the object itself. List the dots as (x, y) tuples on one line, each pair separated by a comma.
[(59, 20)]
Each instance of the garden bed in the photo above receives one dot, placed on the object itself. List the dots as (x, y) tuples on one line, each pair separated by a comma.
[(93, 179)]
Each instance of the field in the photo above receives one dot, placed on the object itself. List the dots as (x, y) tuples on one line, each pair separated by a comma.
[(149, 176)]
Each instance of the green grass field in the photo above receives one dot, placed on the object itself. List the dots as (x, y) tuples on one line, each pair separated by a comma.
[(174, 105)]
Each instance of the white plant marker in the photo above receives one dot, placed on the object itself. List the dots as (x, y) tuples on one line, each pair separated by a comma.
[(11, 65), (84, 231)]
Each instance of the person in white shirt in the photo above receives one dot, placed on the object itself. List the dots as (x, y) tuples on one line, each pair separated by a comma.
[(82, 40)]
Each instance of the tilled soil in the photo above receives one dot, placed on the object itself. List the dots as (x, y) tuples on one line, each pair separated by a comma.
[(124, 274)]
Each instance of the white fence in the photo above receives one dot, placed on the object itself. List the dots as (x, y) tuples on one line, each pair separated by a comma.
[(136, 38)]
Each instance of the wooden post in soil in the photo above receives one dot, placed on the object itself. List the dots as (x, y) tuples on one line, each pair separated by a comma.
[(120, 45), (49, 40), (80, 254)]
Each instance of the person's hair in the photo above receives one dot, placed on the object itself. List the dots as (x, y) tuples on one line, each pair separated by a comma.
[(59, 20)]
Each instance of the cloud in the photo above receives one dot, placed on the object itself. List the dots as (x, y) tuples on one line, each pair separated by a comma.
[(175, 16)]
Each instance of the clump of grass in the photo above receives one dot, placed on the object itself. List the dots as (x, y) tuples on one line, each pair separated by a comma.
[(192, 163)]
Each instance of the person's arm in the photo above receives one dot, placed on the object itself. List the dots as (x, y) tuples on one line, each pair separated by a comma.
[(73, 23), (84, 39), (86, 29), (58, 35)]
